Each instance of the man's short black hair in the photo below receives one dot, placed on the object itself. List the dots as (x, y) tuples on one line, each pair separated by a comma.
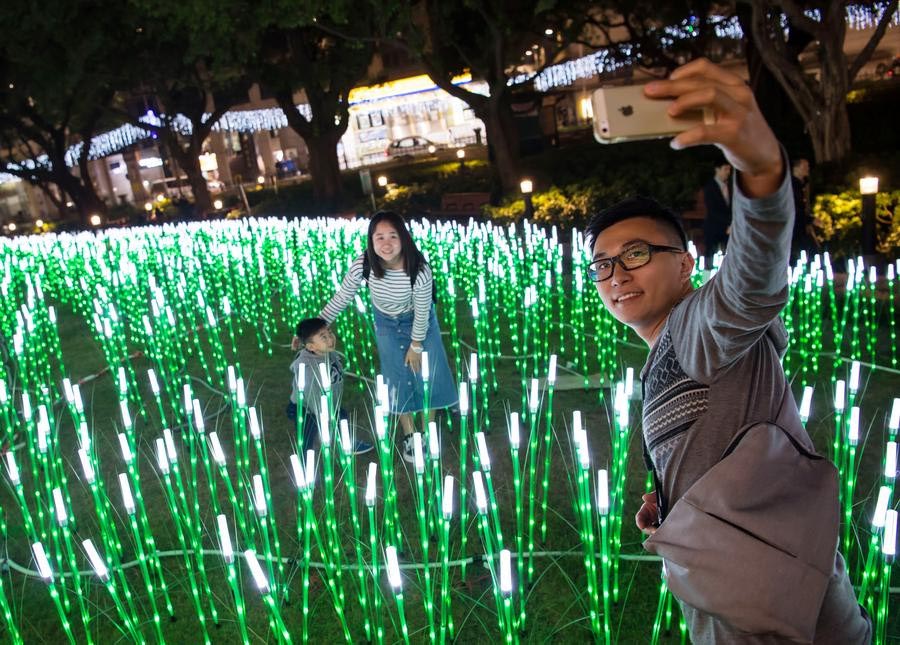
[(309, 327), (634, 207), (721, 161)]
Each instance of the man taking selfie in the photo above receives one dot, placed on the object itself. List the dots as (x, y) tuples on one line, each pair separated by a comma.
[(745, 512)]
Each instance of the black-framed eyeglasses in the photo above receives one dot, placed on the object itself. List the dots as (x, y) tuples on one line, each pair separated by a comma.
[(635, 256)]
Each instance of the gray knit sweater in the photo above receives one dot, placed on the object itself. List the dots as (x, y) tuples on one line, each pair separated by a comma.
[(716, 367)]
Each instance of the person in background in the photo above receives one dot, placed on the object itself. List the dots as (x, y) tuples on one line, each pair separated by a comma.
[(717, 198), (804, 235)]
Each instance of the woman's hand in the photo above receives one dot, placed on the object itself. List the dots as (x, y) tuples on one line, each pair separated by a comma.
[(739, 130), (413, 359)]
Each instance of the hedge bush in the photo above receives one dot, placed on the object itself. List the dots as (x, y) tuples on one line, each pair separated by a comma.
[(838, 218)]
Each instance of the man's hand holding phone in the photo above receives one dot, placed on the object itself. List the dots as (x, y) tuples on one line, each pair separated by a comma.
[(738, 127)]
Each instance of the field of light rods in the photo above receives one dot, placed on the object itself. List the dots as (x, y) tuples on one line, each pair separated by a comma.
[(181, 474)]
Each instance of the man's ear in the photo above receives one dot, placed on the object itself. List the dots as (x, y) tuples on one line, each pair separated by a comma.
[(687, 266)]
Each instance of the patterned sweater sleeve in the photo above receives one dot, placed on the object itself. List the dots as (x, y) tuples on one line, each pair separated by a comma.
[(422, 303), (716, 324), (344, 295)]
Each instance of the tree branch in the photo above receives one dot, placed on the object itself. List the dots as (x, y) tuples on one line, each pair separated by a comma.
[(866, 53)]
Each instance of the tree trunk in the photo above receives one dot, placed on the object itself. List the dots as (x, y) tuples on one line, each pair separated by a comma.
[(188, 160), (503, 141), (321, 135), (325, 169)]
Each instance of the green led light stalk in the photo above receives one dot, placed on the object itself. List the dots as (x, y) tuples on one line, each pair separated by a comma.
[(447, 628), (145, 533), (304, 510), (268, 520), (349, 469), (533, 418), (193, 529), (386, 460), (15, 480), (378, 622), (108, 532), (393, 575), (619, 441), (421, 514), (165, 469), (548, 451), (588, 537), (891, 313), (488, 539), (332, 577), (850, 472), (514, 440), (276, 621), (130, 510), (463, 468), (10, 622), (73, 567), (225, 546), (103, 573), (889, 553), (47, 574)]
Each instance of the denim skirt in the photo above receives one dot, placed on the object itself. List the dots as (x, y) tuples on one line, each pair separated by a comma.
[(393, 335)]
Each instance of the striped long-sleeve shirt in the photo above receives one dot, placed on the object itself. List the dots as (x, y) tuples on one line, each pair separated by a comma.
[(391, 295)]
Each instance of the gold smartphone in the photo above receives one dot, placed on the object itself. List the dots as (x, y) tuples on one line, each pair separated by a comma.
[(624, 114)]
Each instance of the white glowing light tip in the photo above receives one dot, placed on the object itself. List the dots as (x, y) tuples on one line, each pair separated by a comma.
[(225, 539), (447, 497), (259, 496), (853, 429), (127, 497), (483, 456), (480, 497), (40, 558), (96, 561), (505, 572), (603, 492), (259, 577), (59, 504), (514, 430), (806, 403), (418, 456), (371, 474), (889, 545), (252, 417), (393, 567), (215, 447)]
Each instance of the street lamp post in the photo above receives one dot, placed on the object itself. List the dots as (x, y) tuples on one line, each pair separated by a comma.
[(461, 155), (526, 186), (868, 188)]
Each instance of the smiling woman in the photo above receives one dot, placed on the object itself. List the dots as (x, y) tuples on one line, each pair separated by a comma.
[(401, 285)]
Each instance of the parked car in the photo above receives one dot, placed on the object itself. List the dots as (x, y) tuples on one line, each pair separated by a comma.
[(409, 147), (171, 188), (286, 168)]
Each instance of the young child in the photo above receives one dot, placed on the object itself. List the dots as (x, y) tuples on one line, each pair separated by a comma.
[(317, 341)]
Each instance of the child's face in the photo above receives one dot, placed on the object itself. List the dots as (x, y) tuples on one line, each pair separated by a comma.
[(322, 341)]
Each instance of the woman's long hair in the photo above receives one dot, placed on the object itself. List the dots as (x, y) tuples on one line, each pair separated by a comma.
[(413, 260)]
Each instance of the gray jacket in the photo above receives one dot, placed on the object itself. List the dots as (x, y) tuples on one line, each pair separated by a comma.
[(312, 391)]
